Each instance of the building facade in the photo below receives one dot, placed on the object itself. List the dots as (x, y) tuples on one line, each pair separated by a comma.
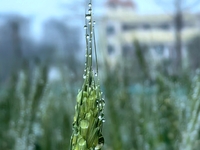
[(121, 26)]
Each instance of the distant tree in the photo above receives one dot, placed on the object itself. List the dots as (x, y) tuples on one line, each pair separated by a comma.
[(64, 39), (14, 34)]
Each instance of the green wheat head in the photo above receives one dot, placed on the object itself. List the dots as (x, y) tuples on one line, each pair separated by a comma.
[(89, 117)]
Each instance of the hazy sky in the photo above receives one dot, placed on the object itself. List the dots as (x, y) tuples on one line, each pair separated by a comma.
[(40, 10), (52, 7), (46, 8)]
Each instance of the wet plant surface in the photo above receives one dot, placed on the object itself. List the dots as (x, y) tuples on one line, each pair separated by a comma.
[(144, 108)]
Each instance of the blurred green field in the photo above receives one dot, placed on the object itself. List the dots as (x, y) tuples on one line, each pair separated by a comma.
[(37, 114), (150, 104)]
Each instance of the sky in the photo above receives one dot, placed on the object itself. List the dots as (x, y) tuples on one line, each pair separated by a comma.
[(40, 10), (51, 7)]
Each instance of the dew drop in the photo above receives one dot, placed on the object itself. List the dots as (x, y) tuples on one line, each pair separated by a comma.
[(97, 102), (88, 16), (89, 22), (103, 102), (101, 116), (90, 5), (95, 74), (84, 76), (100, 105), (87, 36), (85, 27), (90, 55), (90, 10), (94, 22)]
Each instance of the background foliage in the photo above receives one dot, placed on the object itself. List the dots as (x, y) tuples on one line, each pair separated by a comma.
[(146, 109)]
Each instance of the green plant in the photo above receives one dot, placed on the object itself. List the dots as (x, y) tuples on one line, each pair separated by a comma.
[(191, 135), (89, 116)]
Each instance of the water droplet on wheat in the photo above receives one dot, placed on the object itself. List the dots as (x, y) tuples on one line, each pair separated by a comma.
[(94, 22), (100, 105), (87, 36), (97, 102), (89, 22), (85, 27), (103, 102), (89, 88), (88, 16), (84, 76), (101, 116), (90, 10), (90, 5)]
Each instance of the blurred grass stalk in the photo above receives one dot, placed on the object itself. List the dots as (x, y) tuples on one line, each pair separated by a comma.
[(19, 105), (191, 137), (89, 116)]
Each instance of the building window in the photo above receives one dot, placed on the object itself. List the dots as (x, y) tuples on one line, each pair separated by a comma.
[(110, 30), (126, 27), (111, 50), (164, 26)]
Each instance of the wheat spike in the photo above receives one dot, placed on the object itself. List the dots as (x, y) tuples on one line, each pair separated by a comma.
[(89, 116)]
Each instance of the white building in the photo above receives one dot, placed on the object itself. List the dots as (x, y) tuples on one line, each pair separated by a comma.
[(120, 26)]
